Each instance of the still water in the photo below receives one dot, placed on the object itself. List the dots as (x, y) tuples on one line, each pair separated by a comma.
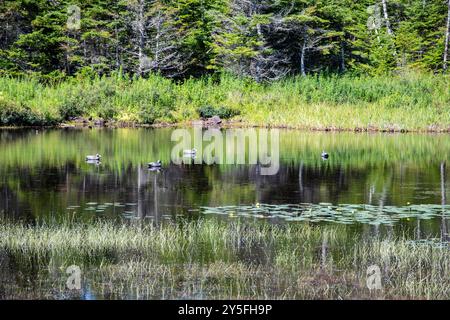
[(371, 181)]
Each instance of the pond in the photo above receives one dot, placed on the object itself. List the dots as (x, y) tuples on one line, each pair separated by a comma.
[(374, 181), (204, 230)]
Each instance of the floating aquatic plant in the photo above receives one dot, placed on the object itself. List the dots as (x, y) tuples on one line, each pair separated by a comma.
[(326, 212)]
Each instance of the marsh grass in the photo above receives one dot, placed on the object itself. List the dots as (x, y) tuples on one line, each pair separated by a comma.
[(213, 259), (417, 102)]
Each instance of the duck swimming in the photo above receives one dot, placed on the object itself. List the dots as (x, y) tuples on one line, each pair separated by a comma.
[(96, 162), (156, 164), (97, 157), (190, 152)]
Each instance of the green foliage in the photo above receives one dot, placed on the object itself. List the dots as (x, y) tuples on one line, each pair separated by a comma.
[(223, 112), (13, 114), (158, 106), (184, 38), (409, 101), (88, 99)]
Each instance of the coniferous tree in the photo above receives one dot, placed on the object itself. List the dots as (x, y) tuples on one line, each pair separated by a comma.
[(262, 39)]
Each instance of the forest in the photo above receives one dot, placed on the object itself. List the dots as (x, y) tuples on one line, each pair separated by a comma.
[(150, 61), (261, 39)]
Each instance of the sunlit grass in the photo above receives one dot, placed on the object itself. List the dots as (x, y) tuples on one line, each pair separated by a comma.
[(213, 259), (418, 102)]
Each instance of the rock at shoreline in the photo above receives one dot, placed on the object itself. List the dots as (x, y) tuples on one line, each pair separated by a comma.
[(213, 121), (99, 123)]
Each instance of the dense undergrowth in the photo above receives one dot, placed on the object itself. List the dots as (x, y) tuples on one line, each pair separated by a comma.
[(416, 102)]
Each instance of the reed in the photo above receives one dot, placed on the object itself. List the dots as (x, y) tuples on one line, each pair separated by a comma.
[(216, 259), (416, 102)]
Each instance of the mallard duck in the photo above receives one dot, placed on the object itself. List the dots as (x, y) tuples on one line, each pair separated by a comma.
[(190, 152), (97, 157), (96, 162), (156, 164)]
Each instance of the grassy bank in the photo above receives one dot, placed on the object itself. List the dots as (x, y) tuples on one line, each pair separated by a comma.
[(212, 259), (408, 102)]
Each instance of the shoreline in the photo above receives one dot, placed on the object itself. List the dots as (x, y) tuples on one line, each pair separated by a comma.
[(411, 103), (227, 124)]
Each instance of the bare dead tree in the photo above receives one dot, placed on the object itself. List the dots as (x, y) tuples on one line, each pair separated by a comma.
[(13, 25), (166, 57), (302, 37), (252, 55), (386, 17), (156, 41), (389, 28), (447, 38), (139, 24)]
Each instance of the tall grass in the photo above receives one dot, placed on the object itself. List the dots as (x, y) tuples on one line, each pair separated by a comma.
[(213, 259), (407, 102)]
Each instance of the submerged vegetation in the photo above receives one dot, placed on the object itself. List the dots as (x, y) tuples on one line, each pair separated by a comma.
[(326, 212), (363, 168), (214, 259), (408, 102)]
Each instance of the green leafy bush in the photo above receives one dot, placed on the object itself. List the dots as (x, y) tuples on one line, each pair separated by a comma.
[(158, 105), (223, 112), (13, 114), (94, 98), (71, 108)]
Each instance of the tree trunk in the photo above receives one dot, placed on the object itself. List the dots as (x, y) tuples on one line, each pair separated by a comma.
[(386, 17), (258, 63), (389, 29), (447, 38), (302, 59), (342, 58), (157, 40), (141, 34), (117, 48)]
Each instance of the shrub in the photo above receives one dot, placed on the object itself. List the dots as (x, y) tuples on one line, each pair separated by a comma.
[(150, 113), (223, 112), (13, 114), (86, 99), (158, 106), (71, 108)]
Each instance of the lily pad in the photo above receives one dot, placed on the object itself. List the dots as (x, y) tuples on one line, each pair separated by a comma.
[(326, 212)]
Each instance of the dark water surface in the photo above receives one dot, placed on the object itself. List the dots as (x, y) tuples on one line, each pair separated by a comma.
[(398, 181)]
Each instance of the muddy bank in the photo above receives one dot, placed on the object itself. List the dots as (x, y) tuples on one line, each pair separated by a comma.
[(216, 122)]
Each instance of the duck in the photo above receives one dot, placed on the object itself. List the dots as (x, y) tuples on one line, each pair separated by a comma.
[(156, 164), (325, 155), (97, 157), (191, 156), (96, 162), (190, 152)]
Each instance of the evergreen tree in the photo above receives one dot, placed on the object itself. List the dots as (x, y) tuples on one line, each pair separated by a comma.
[(262, 39)]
